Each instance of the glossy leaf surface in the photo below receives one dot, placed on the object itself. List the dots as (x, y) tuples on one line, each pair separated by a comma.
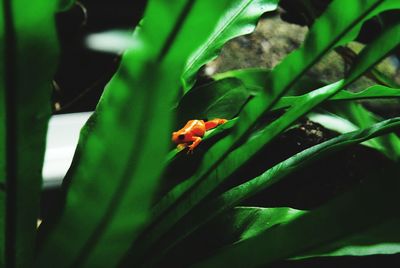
[(240, 17)]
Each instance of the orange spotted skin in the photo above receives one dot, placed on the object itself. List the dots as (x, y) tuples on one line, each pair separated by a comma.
[(190, 135)]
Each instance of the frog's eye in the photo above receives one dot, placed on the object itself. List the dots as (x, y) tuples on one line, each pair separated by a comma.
[(181, 137)]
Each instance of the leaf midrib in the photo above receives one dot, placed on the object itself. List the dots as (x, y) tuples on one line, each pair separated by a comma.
[(215, 36)]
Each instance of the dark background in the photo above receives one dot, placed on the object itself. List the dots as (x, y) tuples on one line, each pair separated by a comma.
[(82, 73)]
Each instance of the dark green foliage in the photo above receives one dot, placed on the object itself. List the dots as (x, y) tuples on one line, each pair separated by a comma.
[(129, 202), (220, 99), (342, 220), (25, 110)]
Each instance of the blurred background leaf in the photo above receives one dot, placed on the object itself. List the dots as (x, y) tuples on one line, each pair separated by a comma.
[(28, 36)]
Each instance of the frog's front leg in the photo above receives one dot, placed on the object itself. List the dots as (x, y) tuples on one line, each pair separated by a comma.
[(196, 141), (181, 146)]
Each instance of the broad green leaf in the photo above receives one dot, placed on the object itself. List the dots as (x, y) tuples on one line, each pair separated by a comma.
[(115, 176), (27, 36), (239, 18), (220, 99), (247, 222), (236, 224), (208, 210), (130, 124), (351, 214), (380, 239), (328, 32), (232, 226), (301, 159), (227, 167), (207, 179)]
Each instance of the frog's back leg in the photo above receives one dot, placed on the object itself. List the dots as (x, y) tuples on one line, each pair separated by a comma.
[(214, 123)]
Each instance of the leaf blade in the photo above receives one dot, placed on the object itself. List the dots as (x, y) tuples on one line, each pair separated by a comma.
[(119, 184), (28, 35), (179, 201), (343, 217), (241, 20)]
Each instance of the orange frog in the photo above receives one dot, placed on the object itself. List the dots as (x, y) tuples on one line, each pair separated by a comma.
[(190, 135)]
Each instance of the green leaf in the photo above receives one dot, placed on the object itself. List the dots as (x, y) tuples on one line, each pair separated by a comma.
[(303, 158), (220, 99), (380, 239), (114, 176), (240, 17), (124, 126), (208, 210), (353, 213), (234, 225), (247, 222), (27, 36), (172, 207)]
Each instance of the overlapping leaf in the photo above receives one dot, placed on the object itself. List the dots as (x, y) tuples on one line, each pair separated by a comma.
[(353, 214), (288, 72), (27, 35), (240, 18), (233, 197), (232, 226), (381, 239), (114, 173), (256, 78), (124, 125)]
